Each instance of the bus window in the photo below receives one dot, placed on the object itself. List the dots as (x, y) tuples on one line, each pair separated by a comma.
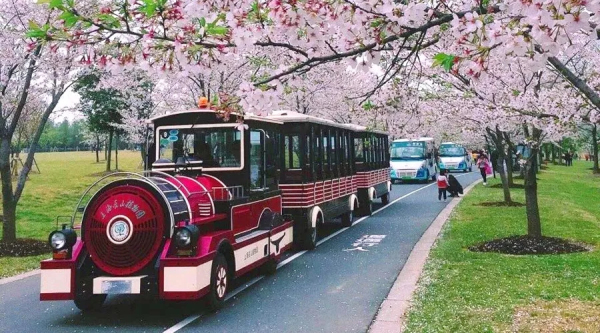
[(333, 156), (325, 155), (292, 152)]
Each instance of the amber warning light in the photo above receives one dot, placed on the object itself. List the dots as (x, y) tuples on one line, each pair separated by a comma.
[(203, 102)]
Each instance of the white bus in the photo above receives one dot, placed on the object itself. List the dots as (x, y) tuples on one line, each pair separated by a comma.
[(454, 156), (413, 160)]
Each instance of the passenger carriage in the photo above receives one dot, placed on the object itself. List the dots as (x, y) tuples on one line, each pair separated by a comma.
[(329, 170), (207, 209), (372, 164)]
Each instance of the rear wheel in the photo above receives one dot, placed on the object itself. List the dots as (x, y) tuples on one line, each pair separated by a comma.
[(385, 199), (367, 208), (308, 239), (219, 282), (90, 302), (347, 219)]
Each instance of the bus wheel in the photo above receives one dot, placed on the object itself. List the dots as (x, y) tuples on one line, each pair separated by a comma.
[(219, 282), (347, 219), (90, 302), (385, 199)]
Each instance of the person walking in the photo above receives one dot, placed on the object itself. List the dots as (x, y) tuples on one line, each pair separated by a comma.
[(483, 165), (443, 184)]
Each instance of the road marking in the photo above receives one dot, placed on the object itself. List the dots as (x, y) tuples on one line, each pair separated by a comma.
[(365, 241), (193, 318)]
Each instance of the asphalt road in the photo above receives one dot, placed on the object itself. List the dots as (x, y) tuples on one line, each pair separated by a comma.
[(337, 287)]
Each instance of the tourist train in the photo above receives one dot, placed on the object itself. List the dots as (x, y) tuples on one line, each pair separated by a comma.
[(219, 196)]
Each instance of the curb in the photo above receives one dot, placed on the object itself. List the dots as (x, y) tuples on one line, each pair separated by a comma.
[(391, 315), (19, 277)]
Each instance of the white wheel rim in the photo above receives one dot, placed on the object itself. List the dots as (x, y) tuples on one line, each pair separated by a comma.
[(221, 281)]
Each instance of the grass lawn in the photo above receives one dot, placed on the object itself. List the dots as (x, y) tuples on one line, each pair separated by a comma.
[(64, 177), (463, 291)]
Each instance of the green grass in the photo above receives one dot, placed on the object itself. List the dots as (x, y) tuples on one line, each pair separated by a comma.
[(54, 192), (462, 291)]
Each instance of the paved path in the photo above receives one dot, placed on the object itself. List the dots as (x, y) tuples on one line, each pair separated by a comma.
[(324, 290)]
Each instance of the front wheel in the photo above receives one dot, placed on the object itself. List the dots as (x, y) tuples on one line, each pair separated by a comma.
[(385, 199), (219, 282), (347, 219), (367, 209), (90, 302)]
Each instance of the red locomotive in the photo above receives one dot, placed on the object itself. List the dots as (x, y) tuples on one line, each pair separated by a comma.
[(210, 206)]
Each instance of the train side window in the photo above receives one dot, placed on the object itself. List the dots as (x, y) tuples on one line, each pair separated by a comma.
[(292, 152), (333, 156), (257, 160), (318, 154), (358, 150), (325, 155)]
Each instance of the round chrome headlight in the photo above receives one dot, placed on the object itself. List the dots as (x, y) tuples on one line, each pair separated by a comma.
[(58, 240), (183, 237)]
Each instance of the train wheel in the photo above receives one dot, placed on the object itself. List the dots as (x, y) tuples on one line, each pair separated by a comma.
[(219, 282), (90, 302), (347, 219), (367, 208), (270, 267), (385, 199), (307, 239)]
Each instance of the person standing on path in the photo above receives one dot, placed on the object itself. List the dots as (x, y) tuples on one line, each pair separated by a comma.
[(483, 164), (443, 184)]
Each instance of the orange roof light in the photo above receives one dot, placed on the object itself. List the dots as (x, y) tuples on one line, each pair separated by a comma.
[(203, 102)]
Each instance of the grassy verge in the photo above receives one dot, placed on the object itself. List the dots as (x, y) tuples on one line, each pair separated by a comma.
[(463, 291), (54, 192)]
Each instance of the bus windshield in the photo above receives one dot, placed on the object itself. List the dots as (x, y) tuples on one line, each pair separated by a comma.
[(407, 151), (214, 147), (452, 151)]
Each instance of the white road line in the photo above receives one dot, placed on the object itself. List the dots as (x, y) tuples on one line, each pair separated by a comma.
[(192, 318)]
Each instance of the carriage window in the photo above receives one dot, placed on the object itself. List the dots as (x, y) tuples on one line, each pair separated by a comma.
[(292, 152), (257, 160), (358, 150)]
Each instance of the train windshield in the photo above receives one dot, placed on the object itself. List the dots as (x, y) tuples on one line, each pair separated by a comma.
[(452, 151), (212, 147), (408, 151)]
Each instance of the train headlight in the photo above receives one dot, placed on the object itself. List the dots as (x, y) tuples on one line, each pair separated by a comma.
[(186, 236), (62, 239)]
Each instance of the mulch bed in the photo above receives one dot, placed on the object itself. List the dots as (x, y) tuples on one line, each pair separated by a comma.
[(522, 245), (24, 248), (510, 186), (499, 204)]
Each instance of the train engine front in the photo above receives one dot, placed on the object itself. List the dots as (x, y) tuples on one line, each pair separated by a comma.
[(175, 231)]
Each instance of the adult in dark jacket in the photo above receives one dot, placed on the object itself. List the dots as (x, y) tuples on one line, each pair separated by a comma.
[(455, 188)]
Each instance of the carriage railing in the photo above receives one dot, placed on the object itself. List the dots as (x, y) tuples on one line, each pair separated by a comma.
[(227, 193)]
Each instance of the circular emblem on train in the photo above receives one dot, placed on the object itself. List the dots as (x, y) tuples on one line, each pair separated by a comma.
[(119, 229)]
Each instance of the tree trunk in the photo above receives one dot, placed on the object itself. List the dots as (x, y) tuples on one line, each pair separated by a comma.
[(553, 154), (9, 225), (534, 226), (117, 152), (509, 159), (109, 148), (595, 148), (143, 152), (560, 153), (97, 149), (497, 138)]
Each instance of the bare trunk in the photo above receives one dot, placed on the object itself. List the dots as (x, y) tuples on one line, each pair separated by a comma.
[(595, 148), (143, 152), (109, 148), (503, 177), (97, 149), (9, 225), (117, 152), (498, 140), (534, 225), (553, 154)]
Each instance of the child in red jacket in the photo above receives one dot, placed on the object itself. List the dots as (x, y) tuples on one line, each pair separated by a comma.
[(443, 184)]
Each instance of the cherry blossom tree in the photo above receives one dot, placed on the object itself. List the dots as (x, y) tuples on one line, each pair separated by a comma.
[(27, 69)]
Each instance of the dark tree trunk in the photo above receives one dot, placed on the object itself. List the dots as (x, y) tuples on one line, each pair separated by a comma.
[(143, 152), (595, 148), (109, 150), (534, 225), (97, 149), (9, 226), (498, 140), (117, 152), (105, 150), (553, 154), (509, 159)]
